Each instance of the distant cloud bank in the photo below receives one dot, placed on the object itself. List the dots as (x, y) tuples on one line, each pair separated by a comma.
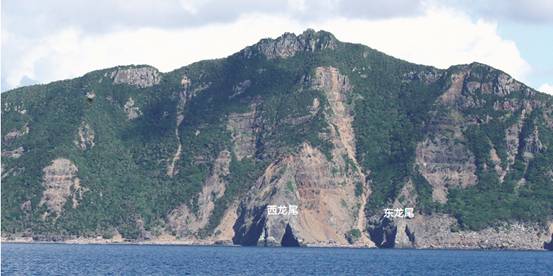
[(45, 41)]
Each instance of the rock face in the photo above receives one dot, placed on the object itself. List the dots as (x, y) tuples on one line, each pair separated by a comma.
[(323, 190), (16, 153), (241, 88), (328, 209), (441, 231), (443, 157), (85, 137), (202, 154), (138, 76), (445, 163), (187, 223), (60, 182), (16, 133), (289, 44), (131, 110), (243, 128)]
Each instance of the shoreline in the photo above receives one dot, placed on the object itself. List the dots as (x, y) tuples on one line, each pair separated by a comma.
[(207, 244)]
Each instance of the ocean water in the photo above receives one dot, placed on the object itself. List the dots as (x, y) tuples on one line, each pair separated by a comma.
[(66, 259)]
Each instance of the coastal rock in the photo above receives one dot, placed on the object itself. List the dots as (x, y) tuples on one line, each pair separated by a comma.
[(339, 130), (184, 222), (442, 231), (329, 209), (327, 206)]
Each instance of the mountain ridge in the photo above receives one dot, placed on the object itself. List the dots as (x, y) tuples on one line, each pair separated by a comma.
[(338, 129)]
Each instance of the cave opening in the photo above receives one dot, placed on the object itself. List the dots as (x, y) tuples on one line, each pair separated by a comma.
[(384, 234), (410, 234), (249, 236), (548, 245), (289, 240)]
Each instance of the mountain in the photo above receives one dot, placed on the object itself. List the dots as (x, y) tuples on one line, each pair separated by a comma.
[(339, 130)]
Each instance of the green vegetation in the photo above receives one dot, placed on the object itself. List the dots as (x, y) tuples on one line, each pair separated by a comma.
[(393, 101), (291, 186), (353, 235), (491, 202)]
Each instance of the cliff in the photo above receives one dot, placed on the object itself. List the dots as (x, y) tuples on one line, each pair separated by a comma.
[(338, 130)]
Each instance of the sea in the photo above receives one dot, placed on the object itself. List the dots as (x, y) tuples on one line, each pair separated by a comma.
[(125, 259)]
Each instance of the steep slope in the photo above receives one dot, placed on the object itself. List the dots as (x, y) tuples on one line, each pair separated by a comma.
[(339, 130)]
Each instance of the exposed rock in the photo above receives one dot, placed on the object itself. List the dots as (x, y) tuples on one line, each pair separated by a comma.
[(142, 233), (532, 144), (224, 232), (388, 233), (383, 234), (548, 118), (445, 162), (16, 133), (314, 108), (7, 107), (184, 96), (426, 76), (506, 85), (512, 139), (141, 77), (407, 197), (185, 82), (60, 182), (461, 95), (90, 95), (439, 231), (443, 158), (16, 153), (187, 223), (171, 169), (26, 206), (336, 87), (14, 171), (472, 86), (244, 128), (328, 209), (85, 137), (494, 157), (289, 44), (132, 111), (323, 178), (240, 88), (454, 93), (510, 105), (549, 245)]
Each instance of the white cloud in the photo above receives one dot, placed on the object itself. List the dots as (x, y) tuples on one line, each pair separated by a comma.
[(546, 88), (439, 37), (191, 6)]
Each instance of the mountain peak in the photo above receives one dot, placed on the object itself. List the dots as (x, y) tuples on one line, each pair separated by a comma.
[(288, 44)]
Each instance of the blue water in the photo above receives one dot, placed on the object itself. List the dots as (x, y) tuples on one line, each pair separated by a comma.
[(65, 259)]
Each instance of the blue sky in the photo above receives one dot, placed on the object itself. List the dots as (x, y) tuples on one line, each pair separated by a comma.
[(43, 41), (535, 42)]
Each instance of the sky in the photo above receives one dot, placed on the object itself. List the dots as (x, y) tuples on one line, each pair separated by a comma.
[(44, 41)]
